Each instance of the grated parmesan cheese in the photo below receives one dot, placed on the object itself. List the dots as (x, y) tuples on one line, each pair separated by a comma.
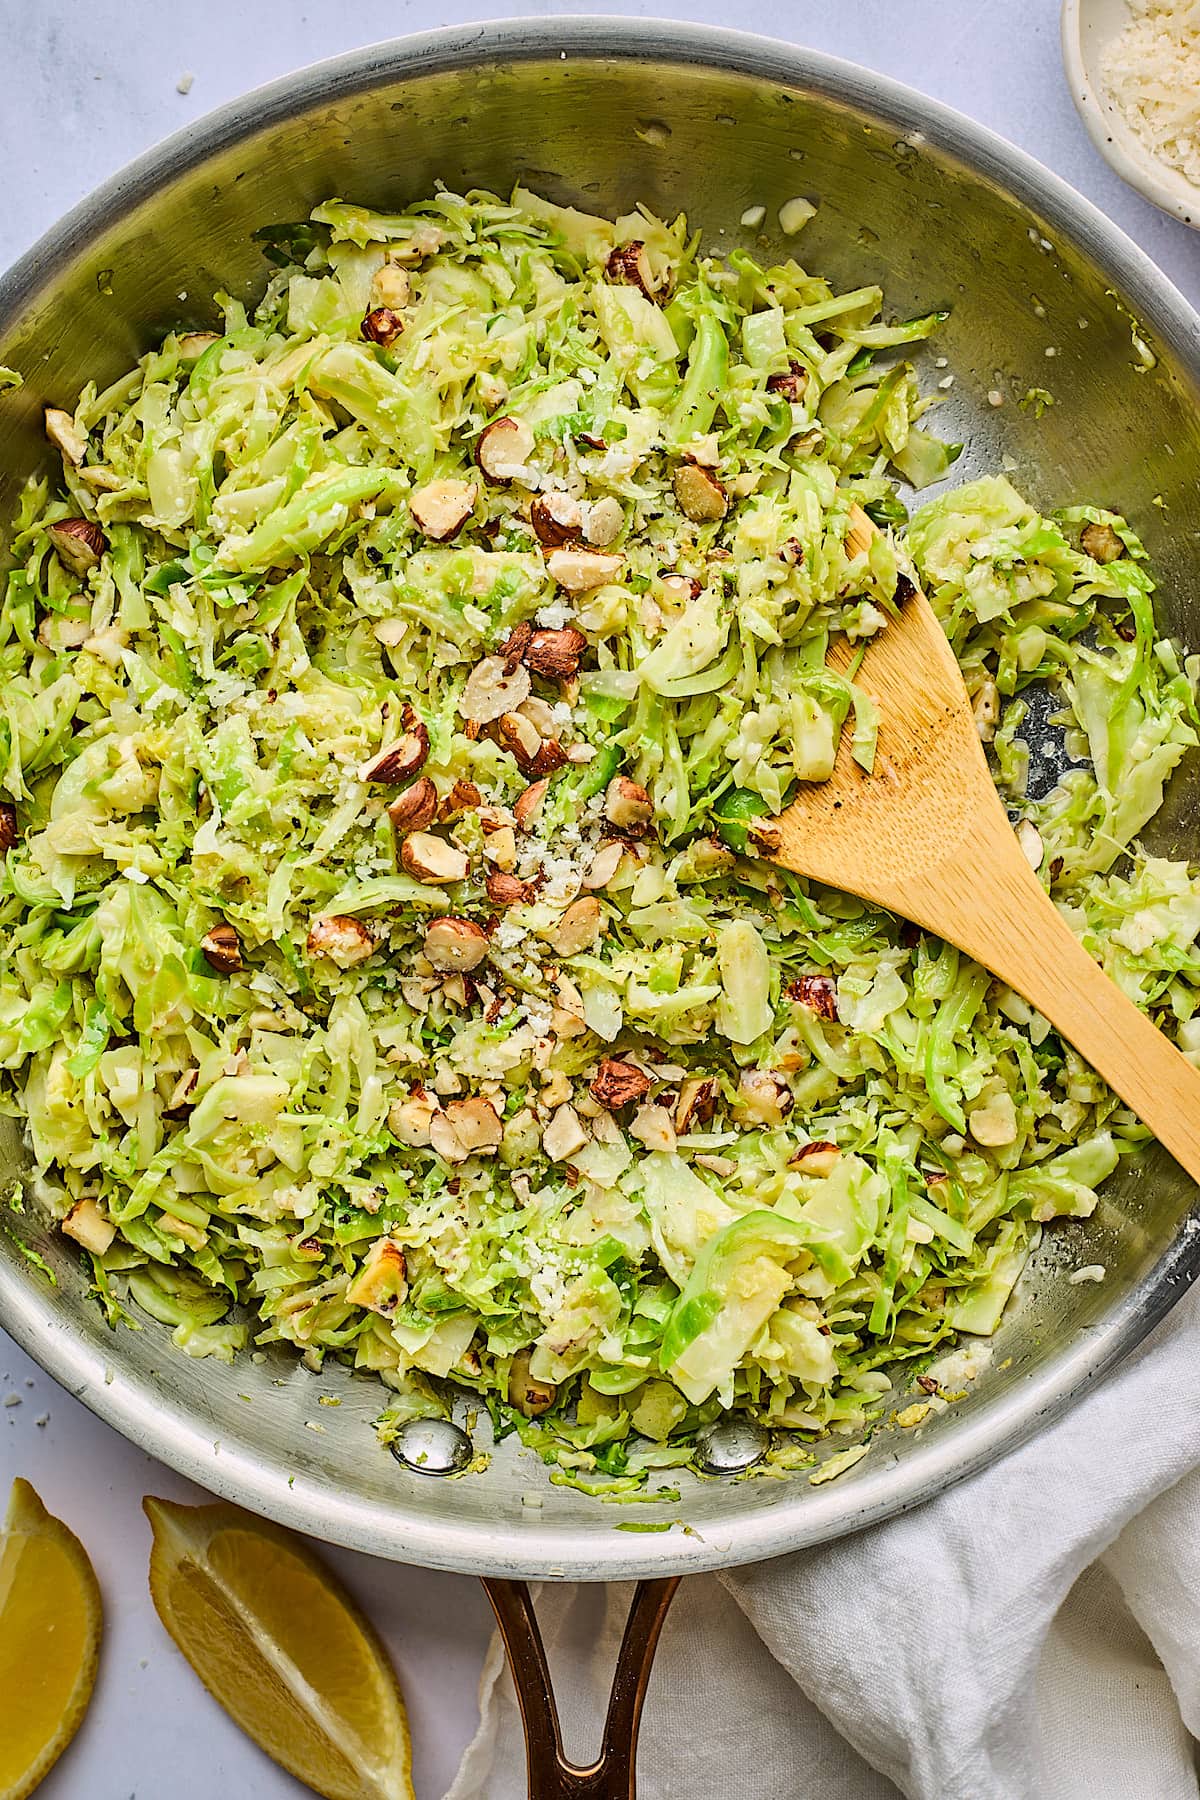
[(1152, 72)]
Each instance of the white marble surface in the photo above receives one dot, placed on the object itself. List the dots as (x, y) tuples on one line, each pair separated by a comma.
[(88, 84)]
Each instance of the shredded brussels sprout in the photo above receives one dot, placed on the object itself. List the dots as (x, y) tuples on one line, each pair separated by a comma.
[(393, 686)]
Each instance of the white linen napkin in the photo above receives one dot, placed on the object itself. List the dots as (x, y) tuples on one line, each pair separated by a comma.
[(1033, 1634)]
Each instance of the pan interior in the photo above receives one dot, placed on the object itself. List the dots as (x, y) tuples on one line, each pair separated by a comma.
[(1041, 294)]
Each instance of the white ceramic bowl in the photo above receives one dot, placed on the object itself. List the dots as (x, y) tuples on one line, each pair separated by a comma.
[(1087, 27)]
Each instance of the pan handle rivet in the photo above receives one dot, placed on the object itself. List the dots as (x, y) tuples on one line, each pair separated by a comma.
[(432, 1447), (730, 1446)]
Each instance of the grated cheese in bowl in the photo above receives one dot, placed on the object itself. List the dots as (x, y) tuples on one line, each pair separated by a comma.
[(1152, 72)]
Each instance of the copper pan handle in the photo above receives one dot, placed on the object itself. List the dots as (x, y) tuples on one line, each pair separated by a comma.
[(551, 1776)]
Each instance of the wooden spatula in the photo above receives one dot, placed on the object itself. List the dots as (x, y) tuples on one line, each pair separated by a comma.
[(926, 836)]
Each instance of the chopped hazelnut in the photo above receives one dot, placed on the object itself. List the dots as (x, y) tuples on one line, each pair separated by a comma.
[(604, 521), (409, 1120), (398, 761), (817, 992), (697, 1102), (65, 435), (701, 496), (765, 1098), (222, 949), (504, 449), (653, 1127), (579, 926), (504, 889), (442, 508), (528, 805), (432, 860), (604, 864), (382, 326), (8, 827), (790, 385), (477, 1124), (630, 264), (616, 1083), (88, 1226), (79, 542), (382, 1282), (520, 737), (555, 654), (493, 689), (390, 287), (532, 1398), (1101, 542), (415, 808), (556, 519), (580, 570), (456, 945), (564, 1135), (341, 939), (627, 805), (817, 1158)]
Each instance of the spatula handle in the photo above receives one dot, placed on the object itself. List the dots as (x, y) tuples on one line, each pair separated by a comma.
[(1015, 930)]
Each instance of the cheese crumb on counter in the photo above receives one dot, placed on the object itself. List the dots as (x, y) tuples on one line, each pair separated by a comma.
[(1152, 72)]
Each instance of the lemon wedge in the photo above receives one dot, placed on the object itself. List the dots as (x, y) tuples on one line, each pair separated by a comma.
[(50, 1619), (278, 1641)]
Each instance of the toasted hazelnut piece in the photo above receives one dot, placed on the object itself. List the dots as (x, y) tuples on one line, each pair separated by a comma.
[(382, 326), (604, 864), (630, 264), (580, 570), (581, 752), (652, 1126), (1030, 840), (521, 738), (700, 495), (556, 1089), (603, 521), (432, 860), (500, 848), (540, 714), (528, 805), (532, 1398), (705, 450), (477, 1124), (463, 797), (790, 385), (818, 1158), (390, 287), (994, 1124), (557, 519), (79, 542), (442, 508), (399, 761), (193, 344), (616, 1083), (720, 1166), (504, 449), (764, 1098), (8, 827), (89, 1227), (456, 945), (627, 805), (341, 939), (817, 992), (59, 631), (425, 241), (415, 808), (222, 949), (679, 589), (182, 1092), (504, 889), (1101, 542), (709, 856), (409, 1120), (382, 1282), (65, 435), (512, 650), (446, 1141), (579, 926), (564, 1135), (986, 709), (792, 553), (555, 654), (697, 1102), (493, 689), (551, 756)]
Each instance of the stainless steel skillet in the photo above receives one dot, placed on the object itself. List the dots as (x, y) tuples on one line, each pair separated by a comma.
[(604, 112)]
